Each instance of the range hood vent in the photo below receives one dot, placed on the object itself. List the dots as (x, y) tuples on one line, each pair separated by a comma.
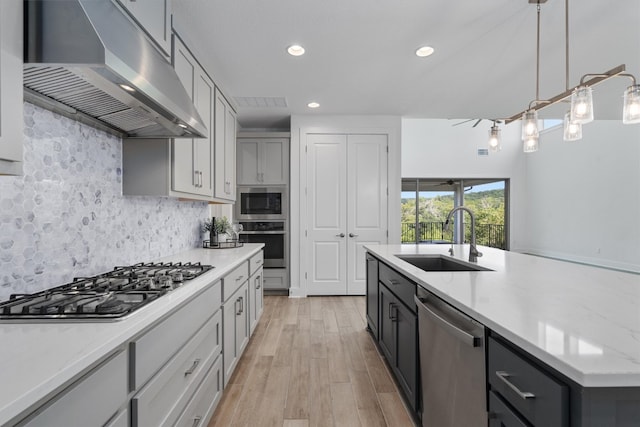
[(81, 56)]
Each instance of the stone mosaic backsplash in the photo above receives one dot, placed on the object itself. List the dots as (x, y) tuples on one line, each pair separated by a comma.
[(66, 216)]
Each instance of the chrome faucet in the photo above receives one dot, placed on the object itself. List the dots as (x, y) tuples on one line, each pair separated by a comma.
[(473, 250)]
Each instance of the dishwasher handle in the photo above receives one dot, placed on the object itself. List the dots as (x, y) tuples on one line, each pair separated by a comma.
[(464, 336)]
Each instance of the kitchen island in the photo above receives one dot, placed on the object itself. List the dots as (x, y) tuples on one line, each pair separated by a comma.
[(582, 323), (42, 359)]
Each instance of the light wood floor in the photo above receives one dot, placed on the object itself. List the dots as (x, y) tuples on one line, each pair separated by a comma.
[(311, 362)]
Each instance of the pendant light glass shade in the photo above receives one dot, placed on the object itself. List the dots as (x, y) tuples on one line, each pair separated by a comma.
[(631, 111), (582, 105), (572, 131), (495, 139), (530, 144), (529, 124)]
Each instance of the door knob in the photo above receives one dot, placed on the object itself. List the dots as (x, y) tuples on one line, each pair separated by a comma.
[(340, 235), (353, 235)]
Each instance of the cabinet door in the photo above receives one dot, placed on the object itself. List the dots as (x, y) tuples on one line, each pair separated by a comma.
[(406, 338), (386, 325), (242, 320), (225, 149), (256, 299), (372, 295), (11, 121), (203, 147), (154, 16), (230, 311), (501, 415), (184, 174), (248, 172), (275, 162)]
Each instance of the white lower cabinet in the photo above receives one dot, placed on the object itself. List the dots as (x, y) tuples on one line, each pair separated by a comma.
[(201, 407), (119, 420), (235, 312), (256, 303), (76, 406), (163, 398)]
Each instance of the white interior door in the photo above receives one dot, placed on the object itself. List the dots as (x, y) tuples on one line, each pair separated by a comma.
[(347, 209), (366, 203), (326, 243)]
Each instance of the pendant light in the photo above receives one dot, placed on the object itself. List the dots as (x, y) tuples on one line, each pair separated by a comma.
[(582, 105), (631, 111), (572, 130), (581, 97), (495, 139)]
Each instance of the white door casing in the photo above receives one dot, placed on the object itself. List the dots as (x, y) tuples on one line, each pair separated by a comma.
[(347, 208)]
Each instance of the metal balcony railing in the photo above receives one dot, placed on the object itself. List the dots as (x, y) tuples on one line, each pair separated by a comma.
[(492, 235)]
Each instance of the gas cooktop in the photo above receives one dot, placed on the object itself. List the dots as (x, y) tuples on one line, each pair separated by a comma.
[(107, 296)]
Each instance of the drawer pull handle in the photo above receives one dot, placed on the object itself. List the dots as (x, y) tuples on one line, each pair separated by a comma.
[(502, 375), (239, 278), (394, 282), (238, 309), (192, 368), (196, 421), (391, 316)]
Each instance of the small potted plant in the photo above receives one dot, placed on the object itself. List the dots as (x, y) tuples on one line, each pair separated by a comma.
[(217, 229)]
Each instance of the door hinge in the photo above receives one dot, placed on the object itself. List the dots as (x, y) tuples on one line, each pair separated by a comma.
[(387, 191), (305, 233), (387, 233), (305, 275), (387, 148), (306, 149)]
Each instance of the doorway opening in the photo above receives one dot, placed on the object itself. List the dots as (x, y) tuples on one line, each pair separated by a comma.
[(425, 204)]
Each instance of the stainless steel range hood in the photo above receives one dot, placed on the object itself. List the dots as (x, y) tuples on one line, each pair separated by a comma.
[(82, 55)]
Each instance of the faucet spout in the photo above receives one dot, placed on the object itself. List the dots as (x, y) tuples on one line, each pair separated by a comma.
[(473, 250)]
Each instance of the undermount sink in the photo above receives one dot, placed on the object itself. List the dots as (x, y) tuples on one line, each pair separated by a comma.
[(440, 263)]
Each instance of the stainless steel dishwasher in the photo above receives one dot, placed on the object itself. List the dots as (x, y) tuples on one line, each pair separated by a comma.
[(452, 365)]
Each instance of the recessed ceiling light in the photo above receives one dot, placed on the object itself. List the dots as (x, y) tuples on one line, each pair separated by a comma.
[(295, 50), (313, 105), (127, 88), (424, 51)]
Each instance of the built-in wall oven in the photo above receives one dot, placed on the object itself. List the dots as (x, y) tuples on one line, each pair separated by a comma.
[(261, 204), (274, 236)]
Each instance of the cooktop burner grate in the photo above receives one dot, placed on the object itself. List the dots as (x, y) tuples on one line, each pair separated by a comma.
[(106, 296)]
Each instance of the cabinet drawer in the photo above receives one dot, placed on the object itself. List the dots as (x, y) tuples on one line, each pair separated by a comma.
[(93, 400), (162, 399), (539, 397), (154, 348), (232, 281), (500, 415), (256, 262), (402, 287), (205, 399)]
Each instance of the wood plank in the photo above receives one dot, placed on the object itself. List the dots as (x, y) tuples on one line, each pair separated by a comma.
[(253, 391), (380, 377), (320, 412), (223, 415), (315, 308), (270, 413), (272, 336), (343, 403), (394, 410), (285, 344), (318, 347), (296, 423), (297, 405), (338, 367)]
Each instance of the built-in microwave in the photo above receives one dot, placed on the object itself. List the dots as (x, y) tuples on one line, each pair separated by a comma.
[(261, 203)]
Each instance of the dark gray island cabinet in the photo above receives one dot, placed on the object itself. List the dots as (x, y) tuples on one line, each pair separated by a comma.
[(521, 389)]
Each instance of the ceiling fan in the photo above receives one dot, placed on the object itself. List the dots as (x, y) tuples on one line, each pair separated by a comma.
[(477, 122)]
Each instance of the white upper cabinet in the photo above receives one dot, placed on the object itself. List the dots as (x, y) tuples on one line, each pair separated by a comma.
[(154, 16), (11, 122), (225, 149), (192, 157), (263, 161)]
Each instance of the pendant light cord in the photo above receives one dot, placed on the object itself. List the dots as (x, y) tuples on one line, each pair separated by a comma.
[(538, 56)]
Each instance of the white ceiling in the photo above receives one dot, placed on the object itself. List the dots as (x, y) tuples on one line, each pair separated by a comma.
[(360, 54)]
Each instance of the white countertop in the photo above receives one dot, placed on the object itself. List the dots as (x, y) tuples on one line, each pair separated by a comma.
[(583, 321), (38, 360)]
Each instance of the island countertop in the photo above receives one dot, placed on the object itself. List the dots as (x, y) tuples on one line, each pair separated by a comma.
[(40, 359), (583, 321)]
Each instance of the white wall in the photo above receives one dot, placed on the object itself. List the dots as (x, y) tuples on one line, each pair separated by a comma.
[(434, 148), (584, 197)]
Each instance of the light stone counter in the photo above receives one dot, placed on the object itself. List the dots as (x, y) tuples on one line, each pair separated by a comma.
[(38, 360), (583, 321)]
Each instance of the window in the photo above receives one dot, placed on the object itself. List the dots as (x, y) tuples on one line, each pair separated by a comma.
[(427, 202)]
